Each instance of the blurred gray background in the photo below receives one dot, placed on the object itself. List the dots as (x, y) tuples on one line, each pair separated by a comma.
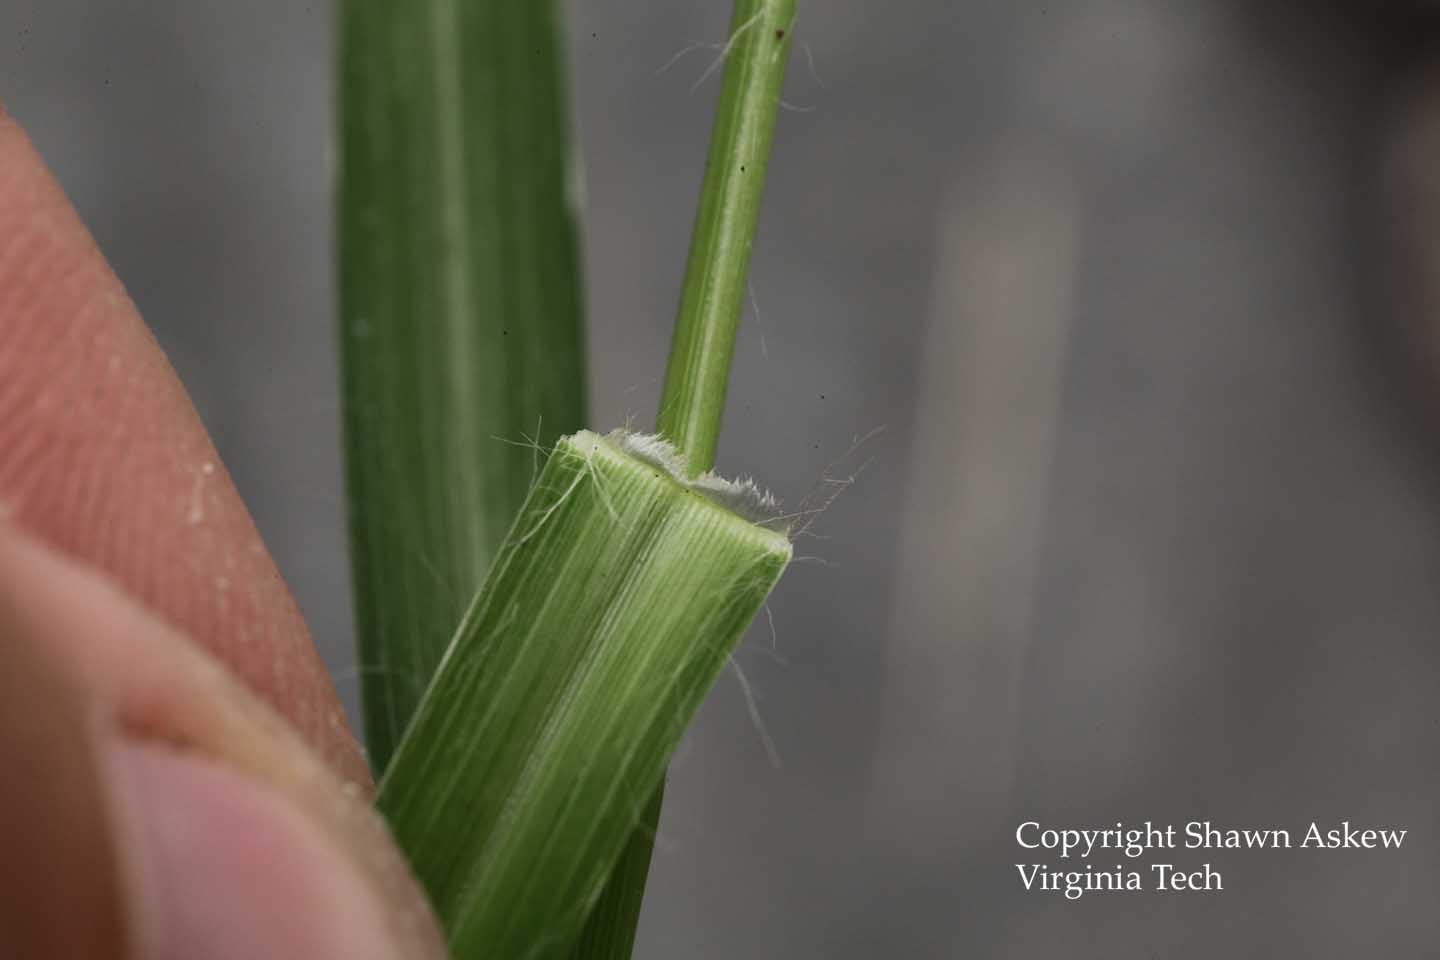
[(1141, 292)]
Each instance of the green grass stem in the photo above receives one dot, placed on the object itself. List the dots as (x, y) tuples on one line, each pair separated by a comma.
[(716, 281), (716, 275)]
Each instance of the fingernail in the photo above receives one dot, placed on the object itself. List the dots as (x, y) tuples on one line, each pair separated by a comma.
[(220, 866)]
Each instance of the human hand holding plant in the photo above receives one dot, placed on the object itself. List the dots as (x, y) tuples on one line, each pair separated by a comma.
[(528, 780)]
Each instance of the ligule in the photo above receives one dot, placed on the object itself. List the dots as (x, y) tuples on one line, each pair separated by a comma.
[(612, 605)]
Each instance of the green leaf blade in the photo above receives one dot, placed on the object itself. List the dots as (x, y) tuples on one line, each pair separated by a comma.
[(460, 311), (614, 603)]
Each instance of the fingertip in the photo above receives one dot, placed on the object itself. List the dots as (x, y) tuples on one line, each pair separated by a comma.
[(103, 457)]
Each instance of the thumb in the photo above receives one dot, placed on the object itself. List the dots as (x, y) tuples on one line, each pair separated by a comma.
[(155, 809)]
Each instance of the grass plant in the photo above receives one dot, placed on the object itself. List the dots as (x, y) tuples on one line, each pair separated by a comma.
[(524, 784)]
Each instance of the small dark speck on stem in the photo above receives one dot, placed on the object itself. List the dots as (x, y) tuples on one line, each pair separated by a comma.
[(779, 34)]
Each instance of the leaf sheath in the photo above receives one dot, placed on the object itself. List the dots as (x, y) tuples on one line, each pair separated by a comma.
[(613, 604)]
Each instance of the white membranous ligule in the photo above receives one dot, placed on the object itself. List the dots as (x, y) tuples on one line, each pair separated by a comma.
[(743, 497)]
